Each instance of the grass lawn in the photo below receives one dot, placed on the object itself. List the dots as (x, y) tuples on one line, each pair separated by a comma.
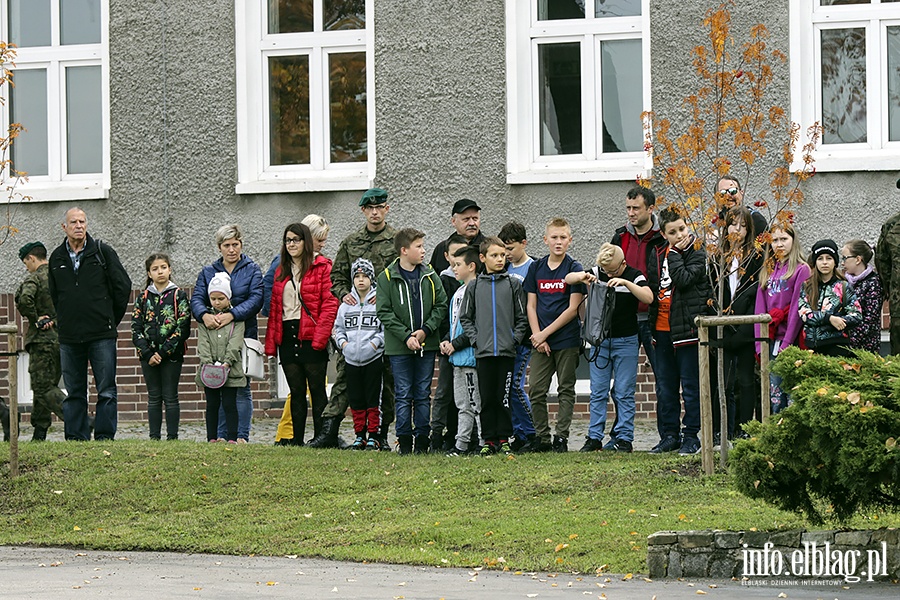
[(533, 512)]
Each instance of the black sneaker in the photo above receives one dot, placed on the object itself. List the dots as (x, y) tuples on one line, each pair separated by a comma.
[(360, 443), (617, 445), (518, 443), (538, 445), (560, 444), (670, 443), (592, 445), (690, 445), (717, 442), (455, 452)]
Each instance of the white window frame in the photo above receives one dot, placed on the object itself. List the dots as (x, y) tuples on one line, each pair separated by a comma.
[(254, 45), (58, 185), (524, 33), (807, 19)]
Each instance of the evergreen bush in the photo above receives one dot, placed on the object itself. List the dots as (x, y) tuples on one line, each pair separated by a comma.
[(834, 451)]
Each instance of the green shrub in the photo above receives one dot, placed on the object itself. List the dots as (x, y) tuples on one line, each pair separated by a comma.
[(836, 445)]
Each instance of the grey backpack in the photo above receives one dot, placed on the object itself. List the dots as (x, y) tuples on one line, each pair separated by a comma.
[(599, 306)]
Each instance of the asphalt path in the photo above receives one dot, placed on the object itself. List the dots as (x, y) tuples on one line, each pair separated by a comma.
[(61, 573)]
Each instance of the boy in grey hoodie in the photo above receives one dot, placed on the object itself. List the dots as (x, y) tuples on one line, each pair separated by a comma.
[(360, 336), (494, 319)]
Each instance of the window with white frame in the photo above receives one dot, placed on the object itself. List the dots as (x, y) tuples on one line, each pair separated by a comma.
[(60, 96), (304, 95), (578, 81), (845, 74)]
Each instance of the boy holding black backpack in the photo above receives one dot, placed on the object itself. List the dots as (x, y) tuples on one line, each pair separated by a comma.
[(616, 357)]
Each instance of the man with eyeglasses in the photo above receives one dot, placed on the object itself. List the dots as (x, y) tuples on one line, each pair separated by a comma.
[(374, 242), (887, 261)]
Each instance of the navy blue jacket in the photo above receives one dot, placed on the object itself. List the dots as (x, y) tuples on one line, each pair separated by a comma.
[(246, 292)]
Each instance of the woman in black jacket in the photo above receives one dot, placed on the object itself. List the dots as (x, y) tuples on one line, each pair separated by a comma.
[(742, 263)]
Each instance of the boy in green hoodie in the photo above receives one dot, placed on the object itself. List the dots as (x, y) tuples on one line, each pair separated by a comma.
[(410, 304)]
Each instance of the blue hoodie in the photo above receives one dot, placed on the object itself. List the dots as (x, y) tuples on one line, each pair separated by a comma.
[(463, 354)]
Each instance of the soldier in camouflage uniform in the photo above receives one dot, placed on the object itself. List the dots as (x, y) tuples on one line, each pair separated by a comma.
[(374, 242), (41, 342), (887, 261)]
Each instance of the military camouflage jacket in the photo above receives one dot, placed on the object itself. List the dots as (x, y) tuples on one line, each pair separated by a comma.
[(378, 248), (887, 261), (33, 301)]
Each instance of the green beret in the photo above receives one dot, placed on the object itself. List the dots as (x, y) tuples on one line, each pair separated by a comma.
[(27, 248), (373, 196)]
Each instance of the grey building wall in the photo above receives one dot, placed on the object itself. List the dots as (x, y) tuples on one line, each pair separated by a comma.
[(440, 110)]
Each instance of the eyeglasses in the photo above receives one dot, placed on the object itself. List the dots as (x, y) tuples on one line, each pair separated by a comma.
[(846, 258), (371, 207), (732, 191), (612, 272), (292, 241)]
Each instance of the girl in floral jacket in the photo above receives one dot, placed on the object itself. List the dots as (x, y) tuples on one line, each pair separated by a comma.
[(160, 327), (828, 307), (301, 315), (856, 257)]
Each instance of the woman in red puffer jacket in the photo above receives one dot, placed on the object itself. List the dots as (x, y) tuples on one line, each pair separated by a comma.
[(301, 316)]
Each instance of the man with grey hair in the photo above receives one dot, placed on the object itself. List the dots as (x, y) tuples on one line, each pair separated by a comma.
[(90, 289)]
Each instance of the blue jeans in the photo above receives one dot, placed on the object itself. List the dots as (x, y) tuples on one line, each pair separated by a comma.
[(677, 368), (245, 414), (645, 335), (617, 359), (519, 404), (412, 390), (74, 359)]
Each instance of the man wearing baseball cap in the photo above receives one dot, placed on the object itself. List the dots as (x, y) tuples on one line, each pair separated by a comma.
[(41, 341), (466, 219), (374, 242)]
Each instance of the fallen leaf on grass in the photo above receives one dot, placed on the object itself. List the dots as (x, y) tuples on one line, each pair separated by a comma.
[(574, 536), (57, 491), (853, 398), (628, 576), (561, 547), (76, 528), (107, 453)]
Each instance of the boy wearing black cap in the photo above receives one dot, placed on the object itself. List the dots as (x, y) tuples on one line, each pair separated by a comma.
[(34, 303)]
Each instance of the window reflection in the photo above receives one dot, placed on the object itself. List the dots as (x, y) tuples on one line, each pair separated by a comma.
[(28, 106), (893, 62), (84, 119), (343, 14), (290, 16), (559, 88), (617, 8), (621, 95), (549, 10), (844, 85), (289, 110), (347, 87)]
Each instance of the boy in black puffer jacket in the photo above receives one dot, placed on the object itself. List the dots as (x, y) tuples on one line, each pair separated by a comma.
[(677, 275)]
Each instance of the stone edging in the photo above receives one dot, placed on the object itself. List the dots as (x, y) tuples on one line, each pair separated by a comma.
[(871, 555)]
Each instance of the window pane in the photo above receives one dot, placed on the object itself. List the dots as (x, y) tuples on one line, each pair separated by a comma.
[(28, 107), (290, 16), (84, 120), (289, 110), (347, 100), (560, 9), (844, 85), (621, 96), (344, 14), (559, 87), (893, 62), (617, 8), (29, 22), (80, 21)]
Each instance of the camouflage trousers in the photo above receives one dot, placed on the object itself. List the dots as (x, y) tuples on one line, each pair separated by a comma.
[(45, 372), (895, 336)]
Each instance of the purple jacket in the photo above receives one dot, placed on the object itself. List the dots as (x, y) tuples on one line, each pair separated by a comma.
[(784, 294)]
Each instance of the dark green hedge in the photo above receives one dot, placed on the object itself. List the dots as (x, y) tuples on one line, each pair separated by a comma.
[(834, 451)]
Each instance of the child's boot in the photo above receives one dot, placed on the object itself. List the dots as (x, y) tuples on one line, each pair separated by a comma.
[(437, 441), (422, 444), (405, 443)]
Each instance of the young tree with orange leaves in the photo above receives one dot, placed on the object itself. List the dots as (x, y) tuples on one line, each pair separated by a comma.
[(9, 177), (731, 129)]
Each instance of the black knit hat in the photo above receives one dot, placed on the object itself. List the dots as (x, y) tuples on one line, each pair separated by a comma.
[(826, 247)]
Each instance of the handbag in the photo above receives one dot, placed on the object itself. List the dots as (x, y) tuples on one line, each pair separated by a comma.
[(253, 358), (214, 376)]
